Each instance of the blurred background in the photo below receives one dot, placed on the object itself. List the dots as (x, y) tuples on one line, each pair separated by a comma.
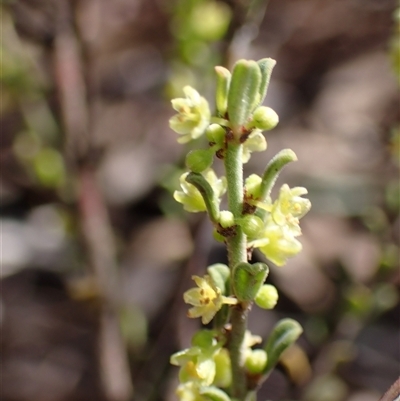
[(95, 253)]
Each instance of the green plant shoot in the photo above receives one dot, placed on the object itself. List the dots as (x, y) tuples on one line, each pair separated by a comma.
[(223, 363)]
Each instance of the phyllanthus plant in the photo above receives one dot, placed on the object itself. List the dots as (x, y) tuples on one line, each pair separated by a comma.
[(226, 362)]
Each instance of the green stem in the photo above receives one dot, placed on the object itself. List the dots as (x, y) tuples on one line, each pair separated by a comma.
[(237, 253)]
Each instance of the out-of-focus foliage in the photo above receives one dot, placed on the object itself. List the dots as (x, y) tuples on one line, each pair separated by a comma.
[(24, 90), (395, 44), (197, 27)]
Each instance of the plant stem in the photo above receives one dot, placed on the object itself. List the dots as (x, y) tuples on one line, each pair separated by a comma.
[(236, 253)]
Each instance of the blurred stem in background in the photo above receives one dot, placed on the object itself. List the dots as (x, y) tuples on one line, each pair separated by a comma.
[(69, 71)]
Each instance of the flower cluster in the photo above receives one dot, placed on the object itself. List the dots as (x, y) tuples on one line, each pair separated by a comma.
[(276, 233), (203, 366)]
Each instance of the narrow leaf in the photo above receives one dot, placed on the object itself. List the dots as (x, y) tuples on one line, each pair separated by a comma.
[(266, 67), (243, 94), (284, 334)]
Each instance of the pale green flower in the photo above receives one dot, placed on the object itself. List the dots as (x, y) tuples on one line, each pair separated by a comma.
[(254, 143), (277, 240), (290, 207), (197, 364), (280, 243), (190, 196), (193, 116), (190, 391), (206, 299)]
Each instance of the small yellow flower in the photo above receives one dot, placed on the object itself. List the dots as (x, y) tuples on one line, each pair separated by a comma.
[(290, 207), (277, 239), (193, 116), (281, 243), (197, 364), (207, 299)]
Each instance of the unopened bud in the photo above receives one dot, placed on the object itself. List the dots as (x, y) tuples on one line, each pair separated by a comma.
[(256, 361), (267, 297), (265, 118)]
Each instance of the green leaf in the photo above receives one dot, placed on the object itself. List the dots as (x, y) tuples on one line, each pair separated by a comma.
[(266, 66), (207, 193), (248, 279), (219, 274), (222, 89), (274, 167), (214, 394), (284, 334), (243, 94)]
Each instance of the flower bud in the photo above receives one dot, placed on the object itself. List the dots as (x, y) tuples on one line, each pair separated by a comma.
[(264, 118), (216, 133), (251, 225), (199, 160), (256, 361), (203, 339), (226, 219), (267, 297), (253, 186)]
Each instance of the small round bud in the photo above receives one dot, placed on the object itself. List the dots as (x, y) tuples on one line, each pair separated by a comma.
[(251, 225), (256, 361), (216, 133), (203, 339), (265, 118), (199, 160), (267, 297), (226, 219), (252, 186)]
